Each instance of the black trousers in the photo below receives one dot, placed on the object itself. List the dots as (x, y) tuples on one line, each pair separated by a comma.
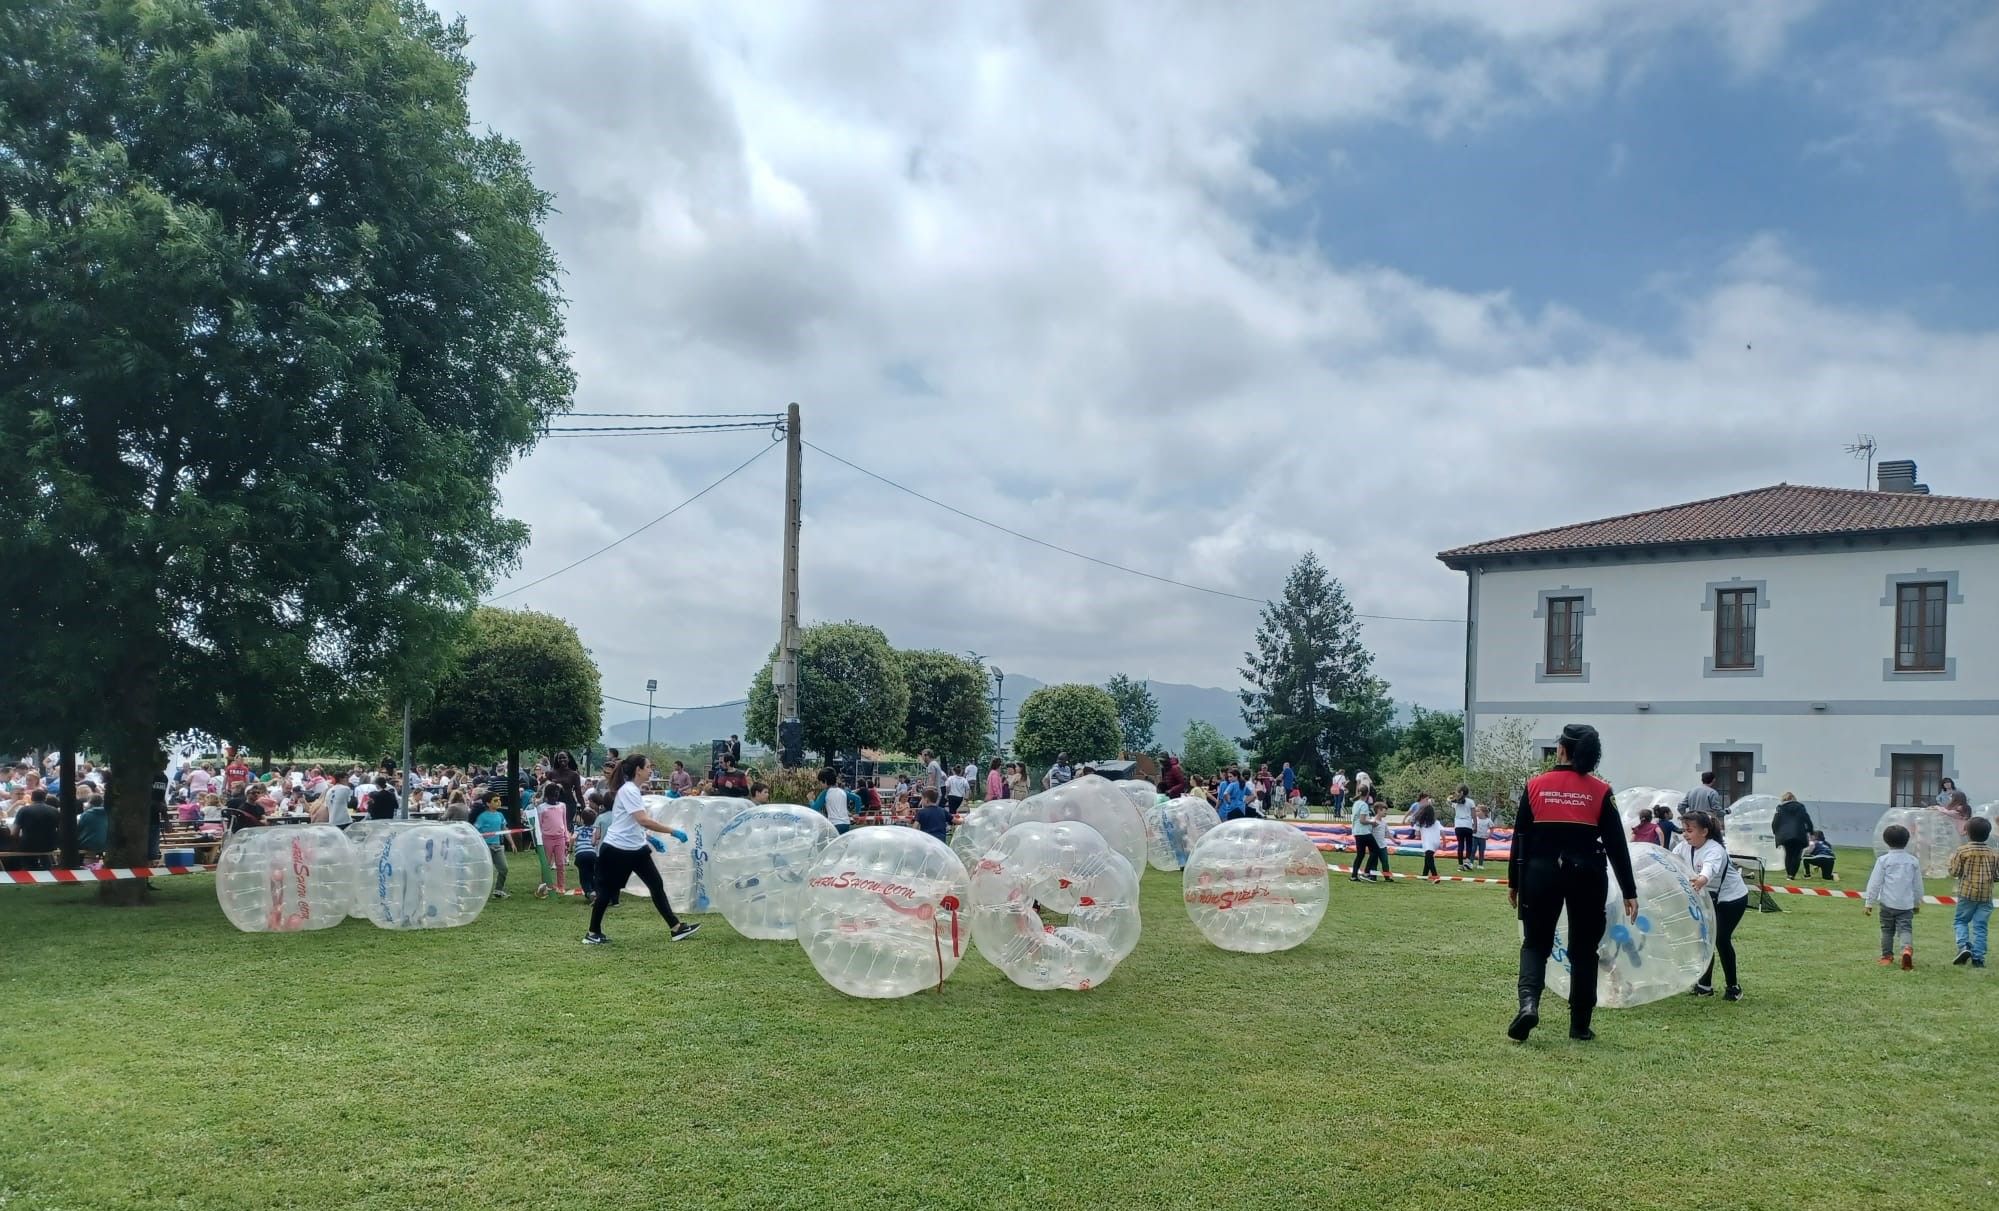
[(1465, 836), (614, 866), (1369, 845), (586, 869), (1792, 851), (1429, 862), (1728, 915), (1549, 883), (1824, 865)]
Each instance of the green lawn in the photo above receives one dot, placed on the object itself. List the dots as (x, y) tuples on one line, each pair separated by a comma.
[(157, 1058)]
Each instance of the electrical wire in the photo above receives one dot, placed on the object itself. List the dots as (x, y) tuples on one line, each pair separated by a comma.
[(765, 449), (1080, 555), (663, 707), (733, 427), (764, 416)]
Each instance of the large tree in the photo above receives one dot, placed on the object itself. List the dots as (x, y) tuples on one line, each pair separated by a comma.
[(1438, 735), (949, 711), (1204, 750), (273, 319), (851, 692), (1137, 711), (518, 679), (1078, 720), (1311, 699)]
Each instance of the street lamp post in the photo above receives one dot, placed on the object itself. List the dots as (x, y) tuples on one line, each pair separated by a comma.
[(652, 687), (999, 710)]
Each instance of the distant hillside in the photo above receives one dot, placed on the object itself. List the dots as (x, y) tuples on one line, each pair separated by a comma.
[(1178, 705)]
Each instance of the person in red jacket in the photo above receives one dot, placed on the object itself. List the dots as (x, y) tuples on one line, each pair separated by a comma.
[(1566, 827)]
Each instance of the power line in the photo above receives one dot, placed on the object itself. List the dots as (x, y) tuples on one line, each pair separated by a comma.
[(763, 450), (1080, 555), (709, 707), (682, 415), (731, 427)]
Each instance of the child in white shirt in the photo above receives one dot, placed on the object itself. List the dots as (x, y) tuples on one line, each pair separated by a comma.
[(1896, 884)]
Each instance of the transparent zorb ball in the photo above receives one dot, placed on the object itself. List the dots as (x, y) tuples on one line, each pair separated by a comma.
[(683, 865), (883, 912), (756, 868), (1255, 886), (1097, 802), (1174, 828), (363, 835), (1661, 954), (1746, 829), (423, 875), (1933, 837), (980, 828), (1635, 804), (1142, 794), (1066, 862), (286, 878)]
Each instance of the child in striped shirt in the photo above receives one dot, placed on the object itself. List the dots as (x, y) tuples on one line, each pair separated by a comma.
[(586, 852)]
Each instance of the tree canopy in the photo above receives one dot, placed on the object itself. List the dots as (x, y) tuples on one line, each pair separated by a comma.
[(1311, 699), (1204, 750), (949, 711), (1137, 711), (1438, 734), (1079, 720), (852, 692), (273, 319), (518, 680)]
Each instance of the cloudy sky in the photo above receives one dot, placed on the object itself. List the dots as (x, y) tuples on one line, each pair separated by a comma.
[(1198, 287)]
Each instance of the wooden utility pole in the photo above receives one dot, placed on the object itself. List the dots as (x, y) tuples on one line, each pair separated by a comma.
[(784, 677)]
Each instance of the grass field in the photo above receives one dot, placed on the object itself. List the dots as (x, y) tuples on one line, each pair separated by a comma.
[(157, 1058)]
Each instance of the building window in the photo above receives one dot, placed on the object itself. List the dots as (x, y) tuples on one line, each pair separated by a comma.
[(1919, 626), (1565, 637), (1735, 629), (1914, 779)]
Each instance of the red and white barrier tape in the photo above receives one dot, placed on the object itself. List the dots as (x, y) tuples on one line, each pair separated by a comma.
[(1842, 893), (103, 874)]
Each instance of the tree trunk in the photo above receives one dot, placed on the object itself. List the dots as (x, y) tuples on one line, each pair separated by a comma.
[(136, 760), (67, 837)]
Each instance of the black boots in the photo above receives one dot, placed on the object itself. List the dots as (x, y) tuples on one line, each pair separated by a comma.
[(1527, 1019), (1533, 968)]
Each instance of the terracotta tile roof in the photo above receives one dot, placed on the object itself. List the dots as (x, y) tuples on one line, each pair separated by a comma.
[(1782, 511)]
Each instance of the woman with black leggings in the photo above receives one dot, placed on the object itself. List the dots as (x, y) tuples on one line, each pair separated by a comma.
[(622, 850), (1701, 848)]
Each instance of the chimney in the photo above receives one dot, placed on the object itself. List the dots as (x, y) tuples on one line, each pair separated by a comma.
[(1899, 475)]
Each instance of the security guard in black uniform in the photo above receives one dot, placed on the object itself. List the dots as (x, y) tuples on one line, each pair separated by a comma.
[(1567, 825)]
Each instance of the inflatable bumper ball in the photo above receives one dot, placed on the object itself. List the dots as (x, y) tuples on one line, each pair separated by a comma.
[(1068, 864), (1174, 828), (287, 878), (756, 868), (1661, 954), (1746, 830), (1097, 802), (423, 876), (981, 829), (1933, 837), (882, 912), (1256, 886)]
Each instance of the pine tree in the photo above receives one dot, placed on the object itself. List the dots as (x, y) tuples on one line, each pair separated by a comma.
[(1312, 699)]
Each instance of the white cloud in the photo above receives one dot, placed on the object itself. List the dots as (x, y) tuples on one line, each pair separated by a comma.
[(1009, 255)]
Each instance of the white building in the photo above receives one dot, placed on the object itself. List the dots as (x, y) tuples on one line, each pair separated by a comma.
[(1840, 644)]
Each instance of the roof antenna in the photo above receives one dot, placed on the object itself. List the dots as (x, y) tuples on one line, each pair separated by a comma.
[(1864, 447)]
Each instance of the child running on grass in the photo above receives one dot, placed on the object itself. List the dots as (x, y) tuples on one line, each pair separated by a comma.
[(492, 826), (1896, 884), (586, 851), (555, 834)]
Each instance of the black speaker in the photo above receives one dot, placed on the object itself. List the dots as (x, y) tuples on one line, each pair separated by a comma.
[(791, 742)]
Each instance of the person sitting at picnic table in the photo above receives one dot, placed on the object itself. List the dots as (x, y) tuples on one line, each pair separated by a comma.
[(93, 827), (37, 828)]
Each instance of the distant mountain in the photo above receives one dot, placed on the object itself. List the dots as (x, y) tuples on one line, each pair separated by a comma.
[(1178, 705)]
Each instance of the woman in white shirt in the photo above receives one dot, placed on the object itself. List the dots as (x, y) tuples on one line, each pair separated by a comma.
[(622, 851), (1700, 846)]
